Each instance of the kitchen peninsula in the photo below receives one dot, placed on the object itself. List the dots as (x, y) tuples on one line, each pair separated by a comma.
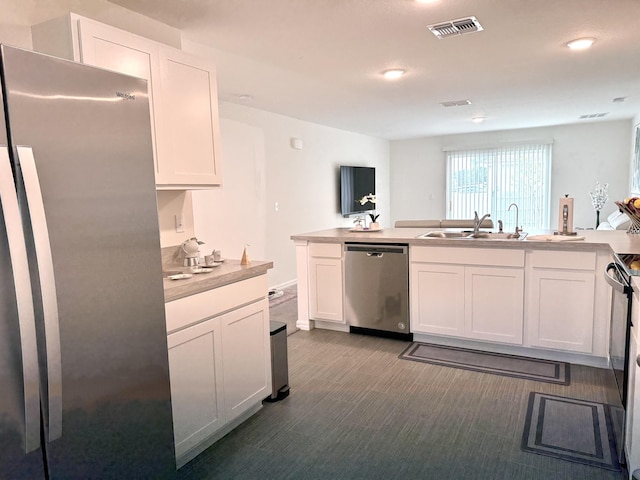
[(532, 297), (219, 353)]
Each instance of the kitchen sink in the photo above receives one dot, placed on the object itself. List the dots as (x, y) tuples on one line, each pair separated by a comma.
[(468, 234), (446, 234), (501, 235)]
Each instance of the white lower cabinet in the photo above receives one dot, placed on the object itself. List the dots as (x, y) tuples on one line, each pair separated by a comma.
[(494, 300), (325, 282), (560, 294), (470, 293), (219, 361), (245, 358), (437, 299), (197, 392)]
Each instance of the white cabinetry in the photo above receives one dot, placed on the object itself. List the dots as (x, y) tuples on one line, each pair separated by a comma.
[(182, 93), (219, 361), (493, 303), (560, 300), (325, 282), (437, 298), (195, 368), (188, 139), (468, 292)]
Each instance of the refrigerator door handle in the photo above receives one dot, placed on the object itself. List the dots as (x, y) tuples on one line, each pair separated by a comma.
[(24, 301), (53, 412)]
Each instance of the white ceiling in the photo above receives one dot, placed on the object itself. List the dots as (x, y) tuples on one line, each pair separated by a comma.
[(320, 60)]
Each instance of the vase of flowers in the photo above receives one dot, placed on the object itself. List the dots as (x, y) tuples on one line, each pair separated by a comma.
[(371, 198), (598, 199)]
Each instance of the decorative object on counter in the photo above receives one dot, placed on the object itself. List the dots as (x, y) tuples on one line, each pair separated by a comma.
[(598, 199), (217, 255), (358, 223), (631, 206), (245, 257), (565, 216), (180, 276), (371, 198), (191, 250), (209, 260)]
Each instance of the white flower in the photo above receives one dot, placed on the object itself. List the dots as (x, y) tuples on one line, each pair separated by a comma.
[(600, 196), (368, 198)]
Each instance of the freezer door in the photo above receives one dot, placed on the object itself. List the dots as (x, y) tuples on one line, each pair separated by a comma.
[(20, 453), (85, 134)]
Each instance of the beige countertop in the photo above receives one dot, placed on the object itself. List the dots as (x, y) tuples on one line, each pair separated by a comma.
[(619, 241), (229, 271)]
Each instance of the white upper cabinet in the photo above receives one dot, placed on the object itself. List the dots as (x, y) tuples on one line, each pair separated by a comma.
[(189, 133), (182, 93)]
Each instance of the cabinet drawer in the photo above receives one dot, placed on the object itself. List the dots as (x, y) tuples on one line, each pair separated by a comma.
[(468, 256), (188, 310), (327, 250), (563, 259)]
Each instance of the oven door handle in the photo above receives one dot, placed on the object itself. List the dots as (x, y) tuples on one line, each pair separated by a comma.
[(615, 284)]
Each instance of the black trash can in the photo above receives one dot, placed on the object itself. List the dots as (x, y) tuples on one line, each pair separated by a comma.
[(279, 362)]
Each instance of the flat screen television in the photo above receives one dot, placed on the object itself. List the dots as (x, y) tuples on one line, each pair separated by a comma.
[(355, 183)]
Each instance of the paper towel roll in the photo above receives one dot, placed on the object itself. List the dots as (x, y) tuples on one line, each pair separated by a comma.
[(565, 215)]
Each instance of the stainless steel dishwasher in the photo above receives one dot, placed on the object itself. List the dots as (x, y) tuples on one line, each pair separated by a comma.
[(377, 289)]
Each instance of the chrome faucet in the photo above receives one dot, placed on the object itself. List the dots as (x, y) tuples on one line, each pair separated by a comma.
[(518, 229), (478, 221)]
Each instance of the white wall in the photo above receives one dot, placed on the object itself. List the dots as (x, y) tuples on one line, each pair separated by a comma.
[(256, 154), (582, 155), (234, 215)]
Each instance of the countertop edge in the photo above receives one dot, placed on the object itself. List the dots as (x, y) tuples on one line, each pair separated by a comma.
[(617, 241), (233, 272)]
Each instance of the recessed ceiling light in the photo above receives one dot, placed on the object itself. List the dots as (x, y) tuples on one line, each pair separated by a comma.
[(478, 119), (581, 43), (244, 97), (619, 99), (393, 73)]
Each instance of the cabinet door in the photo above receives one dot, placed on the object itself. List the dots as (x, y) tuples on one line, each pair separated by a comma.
[(560, 309), (246, 357), (195, 368), (325, 289), (112, 49), (494, 299), (437, 299), (188, 142)]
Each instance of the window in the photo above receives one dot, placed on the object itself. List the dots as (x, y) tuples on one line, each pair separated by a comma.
[(488, 180)]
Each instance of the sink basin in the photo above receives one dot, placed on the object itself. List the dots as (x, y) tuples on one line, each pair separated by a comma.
[(501, 235), (445, 234), (468, 234)]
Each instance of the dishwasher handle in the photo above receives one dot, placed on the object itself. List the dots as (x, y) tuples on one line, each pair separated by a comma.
[(376, 250)]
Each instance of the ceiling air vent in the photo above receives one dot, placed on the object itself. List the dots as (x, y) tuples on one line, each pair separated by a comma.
[(455, 103), (593, 115), (455, 27)]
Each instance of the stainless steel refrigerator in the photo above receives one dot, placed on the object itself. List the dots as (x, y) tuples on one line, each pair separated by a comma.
[(84, 376)]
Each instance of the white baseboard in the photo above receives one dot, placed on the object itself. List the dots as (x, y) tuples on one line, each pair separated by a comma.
[(283, 285)]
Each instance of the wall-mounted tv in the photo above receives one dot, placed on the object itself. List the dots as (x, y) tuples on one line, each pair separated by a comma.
[(355, 183)]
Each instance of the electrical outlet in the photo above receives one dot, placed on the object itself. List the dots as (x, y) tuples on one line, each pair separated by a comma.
[(179, 223)]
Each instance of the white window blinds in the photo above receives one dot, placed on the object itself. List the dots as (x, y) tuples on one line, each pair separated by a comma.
[(488, 180)]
